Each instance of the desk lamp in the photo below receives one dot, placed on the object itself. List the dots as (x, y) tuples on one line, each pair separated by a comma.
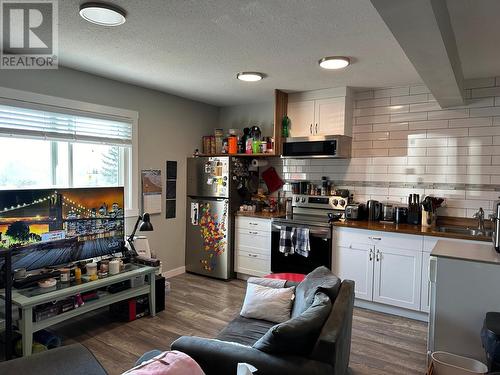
[(145, 226)]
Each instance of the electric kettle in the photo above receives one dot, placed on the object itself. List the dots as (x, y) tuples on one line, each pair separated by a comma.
[(374, 209)]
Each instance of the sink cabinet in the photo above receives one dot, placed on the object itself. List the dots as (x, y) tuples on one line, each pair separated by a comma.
[(389, 269), (396, 278), (386, 267)]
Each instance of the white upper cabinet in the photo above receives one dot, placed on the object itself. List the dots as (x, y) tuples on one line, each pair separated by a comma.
[(329, 115), (301, 116), (320, 112)]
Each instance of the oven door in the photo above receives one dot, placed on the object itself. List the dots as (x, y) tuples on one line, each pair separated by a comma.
[(320, 238)]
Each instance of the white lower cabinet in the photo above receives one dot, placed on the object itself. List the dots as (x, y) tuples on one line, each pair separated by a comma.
[(354, 263), (396, 277), (252, 246), (382, 273)]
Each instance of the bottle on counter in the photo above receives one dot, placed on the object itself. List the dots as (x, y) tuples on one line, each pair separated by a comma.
[(288, 207), (324, 185)]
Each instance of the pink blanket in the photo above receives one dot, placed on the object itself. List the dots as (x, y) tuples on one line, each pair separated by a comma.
[(168, 363)]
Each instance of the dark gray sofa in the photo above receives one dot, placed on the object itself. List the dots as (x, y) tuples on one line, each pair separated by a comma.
[(330, 355), (73, 359)]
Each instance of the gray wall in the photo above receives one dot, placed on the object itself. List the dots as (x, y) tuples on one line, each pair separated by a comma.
[(243, 116), (170, 128)]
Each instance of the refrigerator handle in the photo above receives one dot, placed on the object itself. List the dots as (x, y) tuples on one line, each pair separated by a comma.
[(195, 212)]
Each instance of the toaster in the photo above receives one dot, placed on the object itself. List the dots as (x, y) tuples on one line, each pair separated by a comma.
[(355, 211)]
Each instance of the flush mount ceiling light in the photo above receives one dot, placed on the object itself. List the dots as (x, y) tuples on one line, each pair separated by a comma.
[(334, 62), (250, 76), (102, 14)]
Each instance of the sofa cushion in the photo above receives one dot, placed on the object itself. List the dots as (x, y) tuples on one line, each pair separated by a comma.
[(321, 279), (298, 335), (244, 331), (262, 302)]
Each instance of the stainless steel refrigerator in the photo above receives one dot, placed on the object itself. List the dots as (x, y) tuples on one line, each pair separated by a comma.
[(211, 200)]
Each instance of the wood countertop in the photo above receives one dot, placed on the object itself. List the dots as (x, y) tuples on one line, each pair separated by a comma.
[(406, 229), (261, 215), (475, 252)]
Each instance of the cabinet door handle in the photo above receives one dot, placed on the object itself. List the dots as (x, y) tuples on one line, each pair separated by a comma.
[(311, 128), (253, 232), (375, 238), (371, 255), (378, 256), (252, 255), (316, 128), (253, 223)]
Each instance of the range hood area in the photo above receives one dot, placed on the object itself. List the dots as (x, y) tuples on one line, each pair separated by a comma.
[(320, 124)]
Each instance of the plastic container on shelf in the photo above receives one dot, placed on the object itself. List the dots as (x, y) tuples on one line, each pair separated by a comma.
[(452, 364)]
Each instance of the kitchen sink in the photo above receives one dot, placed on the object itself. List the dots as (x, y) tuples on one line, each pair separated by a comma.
[(465, 231)]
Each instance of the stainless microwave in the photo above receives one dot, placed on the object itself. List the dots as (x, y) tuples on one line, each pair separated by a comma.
[(330, 146)]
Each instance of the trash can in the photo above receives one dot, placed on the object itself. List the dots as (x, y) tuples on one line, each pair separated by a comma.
[(452, 364), (490, 337)]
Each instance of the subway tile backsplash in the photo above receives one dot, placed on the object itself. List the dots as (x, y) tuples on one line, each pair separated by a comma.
[(403, 143)]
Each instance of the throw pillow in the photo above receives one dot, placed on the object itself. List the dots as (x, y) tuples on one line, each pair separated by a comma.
[(321, 279), (298, 335), (272, 304), (272, 283)]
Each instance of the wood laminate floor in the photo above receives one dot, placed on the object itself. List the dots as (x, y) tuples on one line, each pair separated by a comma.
[(381, 344)]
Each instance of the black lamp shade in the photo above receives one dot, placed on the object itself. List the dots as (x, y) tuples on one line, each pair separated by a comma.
[(146, 225)]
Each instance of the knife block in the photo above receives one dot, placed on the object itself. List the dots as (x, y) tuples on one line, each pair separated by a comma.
[(414, 214)]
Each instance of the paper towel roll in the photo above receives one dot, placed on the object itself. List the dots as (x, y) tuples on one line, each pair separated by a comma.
[(259, 163)]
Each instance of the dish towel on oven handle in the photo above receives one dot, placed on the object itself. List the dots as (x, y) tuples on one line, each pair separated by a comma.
[(286, 240), (302, 245)]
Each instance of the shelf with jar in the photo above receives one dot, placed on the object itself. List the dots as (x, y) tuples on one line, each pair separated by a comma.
[(248, 143), (213, 145)]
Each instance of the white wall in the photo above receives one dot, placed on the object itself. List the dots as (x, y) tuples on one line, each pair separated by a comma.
[(404, 142), (247, 115), (170, 128)]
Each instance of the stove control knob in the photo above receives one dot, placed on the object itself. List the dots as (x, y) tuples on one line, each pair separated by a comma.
[(303, 200), (342, 202), (297, 199), (335, 202)]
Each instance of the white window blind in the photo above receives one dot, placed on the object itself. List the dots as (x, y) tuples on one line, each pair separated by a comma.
[(33, 123)]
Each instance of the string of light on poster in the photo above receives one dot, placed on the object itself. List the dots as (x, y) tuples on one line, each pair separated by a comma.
[(151, 190)]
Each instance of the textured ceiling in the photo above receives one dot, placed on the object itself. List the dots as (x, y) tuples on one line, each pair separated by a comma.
[(194, 48)]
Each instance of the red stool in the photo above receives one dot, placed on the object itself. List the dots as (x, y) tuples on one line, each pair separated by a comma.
[(295, 277)]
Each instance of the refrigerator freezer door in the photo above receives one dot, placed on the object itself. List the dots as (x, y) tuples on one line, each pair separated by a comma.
[(208, 177), (207, 238)]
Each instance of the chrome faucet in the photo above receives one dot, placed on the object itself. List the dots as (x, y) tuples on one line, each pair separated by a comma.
[(479, 215)]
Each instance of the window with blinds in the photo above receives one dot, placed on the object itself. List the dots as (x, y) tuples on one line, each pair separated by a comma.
[(41, 147), (23, 122)]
